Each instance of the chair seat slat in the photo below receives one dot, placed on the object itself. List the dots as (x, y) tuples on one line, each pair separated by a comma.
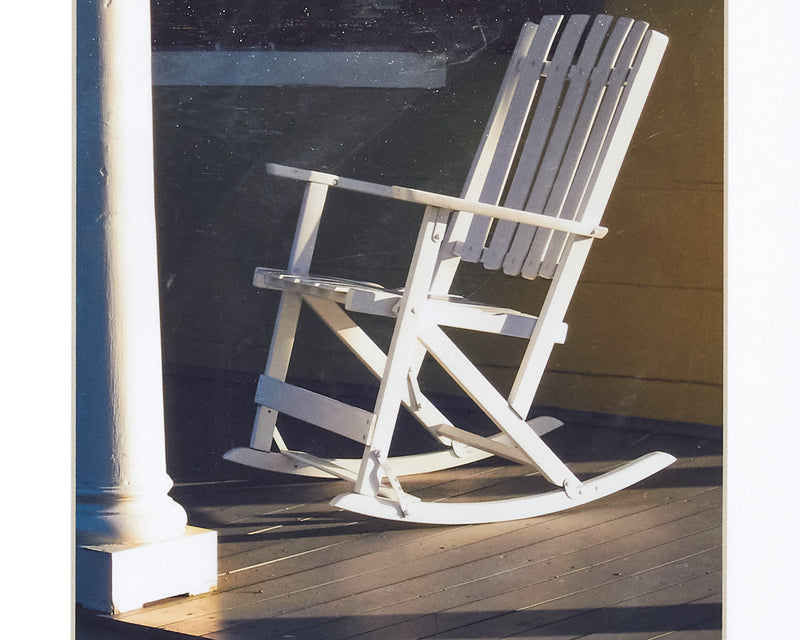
[(373, 299)]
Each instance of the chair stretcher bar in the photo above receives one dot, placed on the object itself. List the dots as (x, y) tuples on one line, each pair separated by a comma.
[(314, 408)]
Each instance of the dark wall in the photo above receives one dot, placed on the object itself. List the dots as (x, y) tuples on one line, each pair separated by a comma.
[(646, 324), (386, 25)]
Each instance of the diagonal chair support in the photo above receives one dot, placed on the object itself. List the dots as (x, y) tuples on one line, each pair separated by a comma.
[(531, 207)]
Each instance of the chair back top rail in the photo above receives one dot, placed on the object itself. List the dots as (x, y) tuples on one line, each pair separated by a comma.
[(556, 138)]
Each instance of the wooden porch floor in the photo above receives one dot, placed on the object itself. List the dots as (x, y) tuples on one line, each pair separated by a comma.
[(644, 563)]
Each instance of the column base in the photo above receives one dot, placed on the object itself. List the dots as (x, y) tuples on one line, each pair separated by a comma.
[(115, 578)]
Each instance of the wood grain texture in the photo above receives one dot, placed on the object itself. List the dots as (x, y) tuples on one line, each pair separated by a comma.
[(643, 562)]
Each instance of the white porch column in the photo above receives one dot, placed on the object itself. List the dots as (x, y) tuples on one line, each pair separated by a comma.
[(133, 542)]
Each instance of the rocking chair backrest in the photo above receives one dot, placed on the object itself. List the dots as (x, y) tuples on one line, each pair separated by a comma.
[(556, 139)]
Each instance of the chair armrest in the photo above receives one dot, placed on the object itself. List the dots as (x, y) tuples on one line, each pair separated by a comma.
[(429, 198)]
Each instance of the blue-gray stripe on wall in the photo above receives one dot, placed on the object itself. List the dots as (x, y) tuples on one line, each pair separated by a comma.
[(380, 69)]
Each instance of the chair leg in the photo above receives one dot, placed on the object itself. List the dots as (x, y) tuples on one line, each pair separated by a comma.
[(280, 352), (374, 359), (403, 352), (495, 406), (459, 452), (387, 408)]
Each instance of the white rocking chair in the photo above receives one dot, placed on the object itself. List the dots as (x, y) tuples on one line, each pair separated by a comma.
[(532, 206)]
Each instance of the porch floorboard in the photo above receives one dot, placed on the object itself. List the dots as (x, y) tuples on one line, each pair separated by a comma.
[(641, 563)]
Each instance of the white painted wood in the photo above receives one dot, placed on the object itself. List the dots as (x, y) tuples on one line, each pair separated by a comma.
[(335, 289), (121, 481), (116, 578), (449, 312), (634, 86), (351, 335), (283, 333), (605, 171), (477, 387), (581, 123), (314, 408), (324, 465), (376, 302), (311, 466), (486, 318), (545, 333), (637, 87), (303, 464), (525, 82), (480, 318), (428, 198), (277, 462), (611, 84), (535, 144), (548, 194), (503, 448), (401, 352), (132, 543), (581, 155), (456, 513), (485, 163), (307, 227), (365, 349), (393, 493)]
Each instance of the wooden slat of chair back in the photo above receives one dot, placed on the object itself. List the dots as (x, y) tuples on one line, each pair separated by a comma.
[(570, 101), (486, 180), (539, 158), (505, 129), (591, 138)]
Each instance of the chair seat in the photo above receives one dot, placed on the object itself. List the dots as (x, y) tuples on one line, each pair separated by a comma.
[(374, 299), (335, 289)]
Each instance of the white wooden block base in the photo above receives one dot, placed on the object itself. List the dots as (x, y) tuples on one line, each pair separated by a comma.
[(116, 578)]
